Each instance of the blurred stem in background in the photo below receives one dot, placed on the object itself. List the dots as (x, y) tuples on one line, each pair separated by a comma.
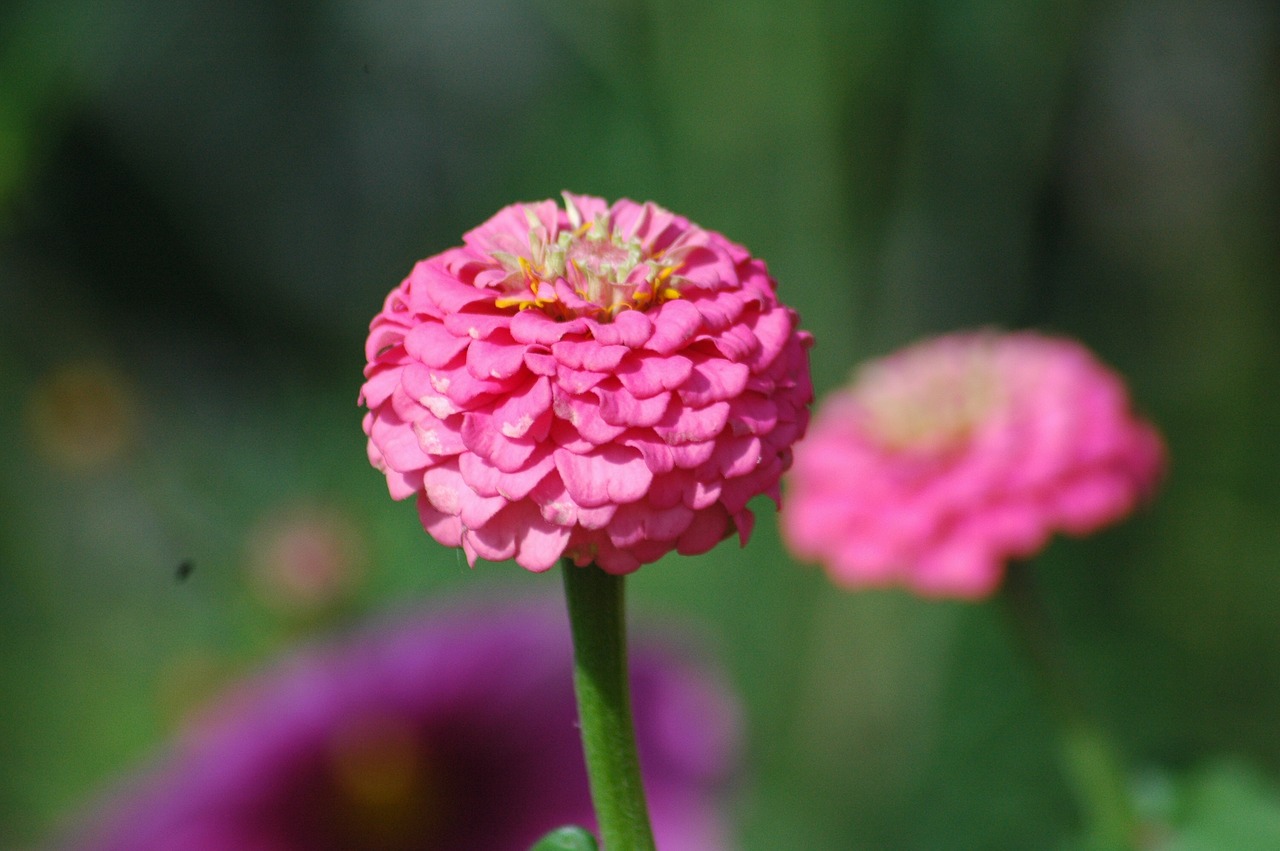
[(37, 86), (1094, 769)]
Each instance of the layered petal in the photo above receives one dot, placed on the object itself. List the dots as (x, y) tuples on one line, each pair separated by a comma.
[(944, 461), (603, 383)]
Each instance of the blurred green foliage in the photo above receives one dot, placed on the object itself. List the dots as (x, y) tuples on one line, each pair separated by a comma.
[(203, 203)]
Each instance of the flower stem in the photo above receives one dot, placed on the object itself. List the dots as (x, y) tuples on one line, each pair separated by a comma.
[(1093, 768), (598, 621)]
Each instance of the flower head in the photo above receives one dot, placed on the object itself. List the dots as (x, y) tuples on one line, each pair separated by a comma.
[(941, 462), (605, 383), (439, 733)]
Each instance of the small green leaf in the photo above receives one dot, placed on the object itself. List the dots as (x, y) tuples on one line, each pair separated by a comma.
[(569, 838)]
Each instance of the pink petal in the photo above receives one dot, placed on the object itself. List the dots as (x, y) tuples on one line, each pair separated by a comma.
[(541, 545), (447, 293), (736, 456), (534, 326), (439, 437), (385, 344), (752, 414), (1092, 501), (539, 361), (397, 442), (714, 380), (482, 436), (487, 480), (621, 408), (709, 527), (585, 413), (863, 559), (640, 521), (657, 455), (682, 486), (609, 474), (431, 343), (719, 310), (708, 268), (577, 381), (683, 424), (406, 407), (690, 456), (403, 485), (630, 328), (449, 493), (736, 493), (526, 411), (487, 359), (588, 355), (457, 385), (445, 528), (736, 343), (464, 389), (667, 489), (495, 541), (476, 326), (674, 324), (559, 508), (566, 434), (610, 559), (588, 205), (773, 329), (964, 568), (379, 386), (648, 376), (417, 382)]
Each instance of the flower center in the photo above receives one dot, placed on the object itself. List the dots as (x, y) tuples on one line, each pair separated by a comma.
[(602, 256), (930, 400), (588, 269)]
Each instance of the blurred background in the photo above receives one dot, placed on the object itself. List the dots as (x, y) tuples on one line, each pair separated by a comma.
[(204, 202)]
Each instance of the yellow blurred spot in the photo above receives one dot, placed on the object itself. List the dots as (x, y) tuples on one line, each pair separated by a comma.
[(81, 416), (385, 784)]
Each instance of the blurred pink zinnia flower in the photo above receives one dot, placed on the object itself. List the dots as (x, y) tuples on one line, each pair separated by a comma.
[(450, 733), (605, 383), (945, 460)]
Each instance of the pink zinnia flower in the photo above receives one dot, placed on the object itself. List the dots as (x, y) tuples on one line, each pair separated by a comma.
[(453, 732), (947, 459), (604, 383)]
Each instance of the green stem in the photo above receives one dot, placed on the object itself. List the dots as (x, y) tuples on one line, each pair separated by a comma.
[(1093, 768), (598, 620)]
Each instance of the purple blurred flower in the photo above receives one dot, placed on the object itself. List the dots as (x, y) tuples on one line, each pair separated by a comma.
[(444, 732)]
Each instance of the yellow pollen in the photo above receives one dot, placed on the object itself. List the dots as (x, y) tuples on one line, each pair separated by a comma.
[(608, 271)]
